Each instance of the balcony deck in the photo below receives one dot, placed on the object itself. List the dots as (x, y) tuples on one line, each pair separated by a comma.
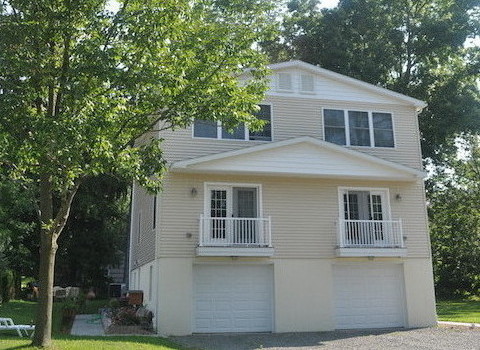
[(358, 238), (235, 237)]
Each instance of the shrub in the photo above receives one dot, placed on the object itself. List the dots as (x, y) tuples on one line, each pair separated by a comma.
[(126, 316), (7, 285)]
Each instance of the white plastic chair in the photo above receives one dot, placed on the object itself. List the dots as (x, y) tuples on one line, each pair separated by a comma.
[(22, 329)]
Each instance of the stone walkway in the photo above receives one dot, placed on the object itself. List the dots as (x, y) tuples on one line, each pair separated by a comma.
[(87, 325)]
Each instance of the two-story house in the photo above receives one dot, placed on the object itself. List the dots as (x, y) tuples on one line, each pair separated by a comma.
[(317, 222)]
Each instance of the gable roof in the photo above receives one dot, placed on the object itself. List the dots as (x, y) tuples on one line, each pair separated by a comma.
[(300, 157), (350, 81)]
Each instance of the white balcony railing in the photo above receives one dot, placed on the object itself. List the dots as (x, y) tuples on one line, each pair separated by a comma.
[(370, 234), (235, 232)]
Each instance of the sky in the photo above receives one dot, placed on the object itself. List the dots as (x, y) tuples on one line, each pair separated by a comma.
[(328, 3)]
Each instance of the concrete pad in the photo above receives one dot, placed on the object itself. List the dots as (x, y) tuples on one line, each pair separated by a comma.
[(87, 325)]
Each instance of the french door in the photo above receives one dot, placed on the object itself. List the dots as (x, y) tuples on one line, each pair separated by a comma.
[(232, 214), (364, 214)]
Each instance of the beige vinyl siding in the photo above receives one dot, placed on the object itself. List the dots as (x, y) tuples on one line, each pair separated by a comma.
[(143, 235), (303, 211), (295, 117)]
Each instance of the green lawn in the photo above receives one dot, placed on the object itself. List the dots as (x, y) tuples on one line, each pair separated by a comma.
[(22, 312), (95, 343), (459, 310)]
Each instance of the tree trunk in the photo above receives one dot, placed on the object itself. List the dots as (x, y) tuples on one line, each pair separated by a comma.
[(43, 327), (48, 248), (51, 229)]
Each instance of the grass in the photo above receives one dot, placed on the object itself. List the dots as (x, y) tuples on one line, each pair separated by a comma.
[(23, 312), (467, 311), (95, 343)]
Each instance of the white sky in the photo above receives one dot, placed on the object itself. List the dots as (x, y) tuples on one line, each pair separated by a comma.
[(328, 3)]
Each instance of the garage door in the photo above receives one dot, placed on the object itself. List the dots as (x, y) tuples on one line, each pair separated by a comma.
[(233, 298), (369, 296)]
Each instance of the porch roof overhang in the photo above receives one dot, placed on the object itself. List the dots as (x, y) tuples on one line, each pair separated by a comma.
[(300, 157)]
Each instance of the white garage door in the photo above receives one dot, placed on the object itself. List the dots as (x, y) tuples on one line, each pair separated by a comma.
[(233, 298), (369, 296)]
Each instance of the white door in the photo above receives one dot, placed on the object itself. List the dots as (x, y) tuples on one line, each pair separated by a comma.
[(365, 212), (231, 213), (232, 298), (220, 209), (369, 296)]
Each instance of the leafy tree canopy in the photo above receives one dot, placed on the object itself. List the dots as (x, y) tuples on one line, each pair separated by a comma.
[(79, 84), (454, 213)]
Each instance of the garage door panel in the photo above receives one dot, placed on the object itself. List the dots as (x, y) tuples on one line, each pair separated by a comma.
[(369, 296), (233, 298)]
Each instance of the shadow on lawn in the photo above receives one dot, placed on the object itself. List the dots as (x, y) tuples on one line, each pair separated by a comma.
[(89, 342)]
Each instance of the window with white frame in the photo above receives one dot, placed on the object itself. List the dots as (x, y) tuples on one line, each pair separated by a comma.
[(212, 129), (358, 128)]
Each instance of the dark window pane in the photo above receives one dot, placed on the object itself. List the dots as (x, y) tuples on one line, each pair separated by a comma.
[(333, 117), (359, 129), (383, 138), (265, 134), (334, 126), (359, 137), (238, 133), (335, 135), (358, 119), (382, 121), (383, 129), (205, 128)]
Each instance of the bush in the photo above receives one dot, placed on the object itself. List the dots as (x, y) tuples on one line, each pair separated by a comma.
[(126, 316), (7, 285)]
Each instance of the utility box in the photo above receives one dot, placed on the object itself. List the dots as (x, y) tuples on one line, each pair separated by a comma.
[(135, 297), (116, 290)]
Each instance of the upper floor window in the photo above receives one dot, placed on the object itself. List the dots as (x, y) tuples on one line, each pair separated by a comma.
[(284, 81), (211, 129), (358, 128), (307, 83)]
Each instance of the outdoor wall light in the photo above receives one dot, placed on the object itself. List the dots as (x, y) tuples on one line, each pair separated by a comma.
[(398, 197), (193, 192)]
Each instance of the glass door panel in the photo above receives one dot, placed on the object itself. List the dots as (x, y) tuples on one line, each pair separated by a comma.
[(245, 228)]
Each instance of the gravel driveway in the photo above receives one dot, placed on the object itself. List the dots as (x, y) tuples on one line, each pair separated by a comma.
[(425, 338)]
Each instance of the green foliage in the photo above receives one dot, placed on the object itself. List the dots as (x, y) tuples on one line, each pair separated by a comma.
[(19, 228), (84, 91), (79, 84), (412, 47), (96, 234), (7, 285), (455, 226)]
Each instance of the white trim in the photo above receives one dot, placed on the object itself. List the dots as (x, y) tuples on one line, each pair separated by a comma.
[(371, 129), (246, 130), (132, 213), (235, 251), (348, 80), (365, 252), (185, 164), (229, 186)]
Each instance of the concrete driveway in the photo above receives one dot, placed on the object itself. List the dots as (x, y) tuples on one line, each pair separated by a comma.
[(426, 338)]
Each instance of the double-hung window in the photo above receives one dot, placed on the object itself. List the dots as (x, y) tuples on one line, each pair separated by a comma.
[(212, 129), (358, 128)]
